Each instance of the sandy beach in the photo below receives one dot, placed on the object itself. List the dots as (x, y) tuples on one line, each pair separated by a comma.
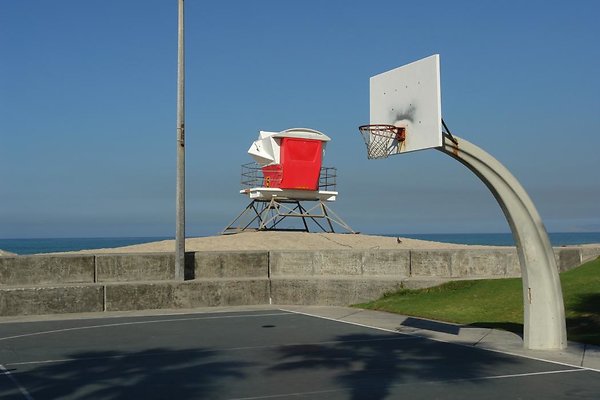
[(284, 241)]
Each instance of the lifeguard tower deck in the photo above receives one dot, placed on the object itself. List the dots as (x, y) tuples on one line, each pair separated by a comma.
[(288, 174)]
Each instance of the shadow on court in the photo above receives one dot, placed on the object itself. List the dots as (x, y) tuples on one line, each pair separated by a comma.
[(513, 327), (151, 374), (429, 325), (376, 367)]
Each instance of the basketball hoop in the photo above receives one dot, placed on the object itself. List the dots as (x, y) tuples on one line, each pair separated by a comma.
[(382, 140)]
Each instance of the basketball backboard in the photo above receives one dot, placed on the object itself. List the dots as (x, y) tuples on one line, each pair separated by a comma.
[(409, 97)]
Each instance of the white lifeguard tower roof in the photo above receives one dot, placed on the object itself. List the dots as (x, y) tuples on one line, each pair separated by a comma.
[(266, 149), (303, 133)]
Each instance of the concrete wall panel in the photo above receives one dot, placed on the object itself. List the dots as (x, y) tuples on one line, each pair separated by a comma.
[(135, 267), (228, 264), (589, 253), (46, 270), (481, 263), (221, 292), (394, 263), (291, 263), (431, 263), (51, 300), (329, 291), (567, 258), (139, 296)]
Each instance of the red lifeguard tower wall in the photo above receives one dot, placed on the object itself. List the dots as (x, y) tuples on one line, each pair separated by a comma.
[(300, 165)]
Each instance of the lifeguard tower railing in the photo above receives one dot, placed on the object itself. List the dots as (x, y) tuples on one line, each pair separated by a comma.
[(253, 176)]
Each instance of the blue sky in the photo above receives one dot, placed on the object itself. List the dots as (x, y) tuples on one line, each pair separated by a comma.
[(88, 109)]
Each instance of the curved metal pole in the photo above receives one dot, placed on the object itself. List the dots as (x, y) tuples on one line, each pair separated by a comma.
[(544, 314)]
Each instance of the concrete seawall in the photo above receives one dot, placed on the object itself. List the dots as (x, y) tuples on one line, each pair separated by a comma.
[(45, 284)]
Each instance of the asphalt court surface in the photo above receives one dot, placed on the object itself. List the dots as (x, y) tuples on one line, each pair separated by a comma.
[(267, 354)]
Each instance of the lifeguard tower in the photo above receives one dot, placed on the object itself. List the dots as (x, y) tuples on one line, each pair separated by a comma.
[(286, 176)]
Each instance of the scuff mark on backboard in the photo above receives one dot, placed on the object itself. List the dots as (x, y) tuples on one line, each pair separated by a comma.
[(407, 113)]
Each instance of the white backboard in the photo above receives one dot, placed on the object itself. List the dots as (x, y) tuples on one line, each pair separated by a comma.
[(409, 97)]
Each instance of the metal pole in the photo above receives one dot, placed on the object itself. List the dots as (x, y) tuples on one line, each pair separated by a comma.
[(180, 196), (544, 312)]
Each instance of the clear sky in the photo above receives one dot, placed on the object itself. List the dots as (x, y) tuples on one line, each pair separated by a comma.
[(88, 109)]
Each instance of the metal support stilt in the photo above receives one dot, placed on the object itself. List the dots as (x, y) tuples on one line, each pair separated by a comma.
[(268, 215)]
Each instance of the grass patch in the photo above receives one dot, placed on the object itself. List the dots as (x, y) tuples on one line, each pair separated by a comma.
[(498, 303)]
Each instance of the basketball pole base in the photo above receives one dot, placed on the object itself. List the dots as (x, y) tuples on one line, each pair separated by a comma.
[(544, 326)]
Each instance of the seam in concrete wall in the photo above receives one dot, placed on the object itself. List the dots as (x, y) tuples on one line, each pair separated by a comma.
[(104, 298), (410, 274), (95, 269), (269, 284), (362, 263)]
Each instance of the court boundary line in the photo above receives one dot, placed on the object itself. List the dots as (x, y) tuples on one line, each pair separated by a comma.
[(204, 316), (429, 382), (446, 341), (102, 315), (16, 382)]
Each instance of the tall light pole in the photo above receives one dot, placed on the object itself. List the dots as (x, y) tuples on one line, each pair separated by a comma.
[(180, 196)]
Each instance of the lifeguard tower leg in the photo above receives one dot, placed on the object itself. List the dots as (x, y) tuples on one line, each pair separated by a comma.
[(324, 211)]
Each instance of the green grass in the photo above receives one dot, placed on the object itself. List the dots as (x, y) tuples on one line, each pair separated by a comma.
[(498, 303)]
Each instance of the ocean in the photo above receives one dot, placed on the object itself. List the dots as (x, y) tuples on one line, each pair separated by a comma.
[(54, 245), (34, 246), (505, 239)]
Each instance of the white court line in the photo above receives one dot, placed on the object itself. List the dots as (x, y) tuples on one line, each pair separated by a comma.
[(484, 378), (14, 380), (296, 394), (117, 356), (445, 341), (349, 322), (139, 323), (129, 314)]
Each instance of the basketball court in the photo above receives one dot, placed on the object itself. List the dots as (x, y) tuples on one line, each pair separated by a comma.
[(323, 352), (274, 353)]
